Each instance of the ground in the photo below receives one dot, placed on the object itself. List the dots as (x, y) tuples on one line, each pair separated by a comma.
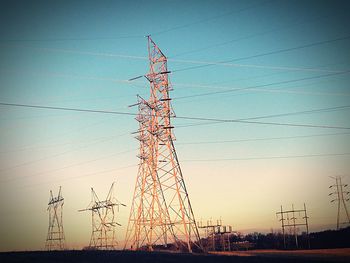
[(253, 256)]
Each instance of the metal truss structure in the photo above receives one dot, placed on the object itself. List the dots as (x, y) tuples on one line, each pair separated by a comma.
[(341, 197), (217, 236), (55, 236), (161, 213), (292, 219), (103, 236)]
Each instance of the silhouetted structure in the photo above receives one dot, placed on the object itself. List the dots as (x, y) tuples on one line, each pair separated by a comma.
[(289, 220), (341, 197), (55, 236), (217, 236), (103, 234)]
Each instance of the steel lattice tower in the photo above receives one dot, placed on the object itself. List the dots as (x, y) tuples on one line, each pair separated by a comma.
[(55, 236), (161, 212), (341, 198), (103, 234)]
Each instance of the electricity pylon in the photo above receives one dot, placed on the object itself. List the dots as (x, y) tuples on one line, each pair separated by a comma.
[(103, 234), (55, 236), (161, 212), (341, 198)]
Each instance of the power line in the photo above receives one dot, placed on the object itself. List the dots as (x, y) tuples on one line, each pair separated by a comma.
[(276, 29), (64, 167), (82, 176), (66, 109), (32, 148), (268, 157), (74, 76), (263, 123), (55, 155), (275, 90), (262, 90), (263, 139), (190, 85), (263, 85), (90, 53), (181, 117), (70, 39), (210, 18), (266, 54), (211, 63), (273, 115), (224, 88), (205, 63), (300, 112), (80, 129)]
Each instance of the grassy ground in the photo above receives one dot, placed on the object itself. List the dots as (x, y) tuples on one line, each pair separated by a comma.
[(321, 255), (144, 257)]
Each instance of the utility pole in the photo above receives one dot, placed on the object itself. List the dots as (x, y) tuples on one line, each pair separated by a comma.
[(290, 220), (161, 213), (55, 236), (341, 198), (103, 236), (307, 226), (294, 227)]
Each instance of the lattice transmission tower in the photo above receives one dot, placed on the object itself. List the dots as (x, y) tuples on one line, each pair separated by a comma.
[(103, 213), (341, 198), (161, 213), (55, 236)]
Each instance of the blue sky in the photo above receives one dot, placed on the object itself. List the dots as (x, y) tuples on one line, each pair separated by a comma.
[(79, 54)]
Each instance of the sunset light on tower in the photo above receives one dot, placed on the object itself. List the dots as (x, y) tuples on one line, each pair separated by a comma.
[(210, 119)]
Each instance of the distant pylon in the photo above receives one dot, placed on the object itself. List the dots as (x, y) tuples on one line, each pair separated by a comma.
[(55, 236), (103, 234), (293, 219), (161, 212), (217, 235), (341, 198)]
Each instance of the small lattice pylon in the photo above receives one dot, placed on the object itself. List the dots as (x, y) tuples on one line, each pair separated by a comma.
[(161, 213), (55, 236), (341, 197), (103, 236)]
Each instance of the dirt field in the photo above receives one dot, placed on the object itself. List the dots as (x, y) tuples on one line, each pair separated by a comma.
[(274, 256)]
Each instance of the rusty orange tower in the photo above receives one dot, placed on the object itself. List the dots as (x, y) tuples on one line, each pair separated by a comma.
[(161, 214)]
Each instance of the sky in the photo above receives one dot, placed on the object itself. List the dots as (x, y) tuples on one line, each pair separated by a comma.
[(231, 60)]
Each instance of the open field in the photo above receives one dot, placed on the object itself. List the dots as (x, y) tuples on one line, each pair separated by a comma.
[(327, 255), (322, 255)]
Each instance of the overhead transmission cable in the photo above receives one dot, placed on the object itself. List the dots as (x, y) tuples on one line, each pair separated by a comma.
[(276, 29), (263, 85), (56, 154), (268, 157), (265, 54), (82, 176), (179, 117), (59, 39), (200, 62), (64, 167), (258, 3), (272, 116), (263, 139)]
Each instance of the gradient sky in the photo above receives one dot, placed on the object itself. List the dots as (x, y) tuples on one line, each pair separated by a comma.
[(79, 53)]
